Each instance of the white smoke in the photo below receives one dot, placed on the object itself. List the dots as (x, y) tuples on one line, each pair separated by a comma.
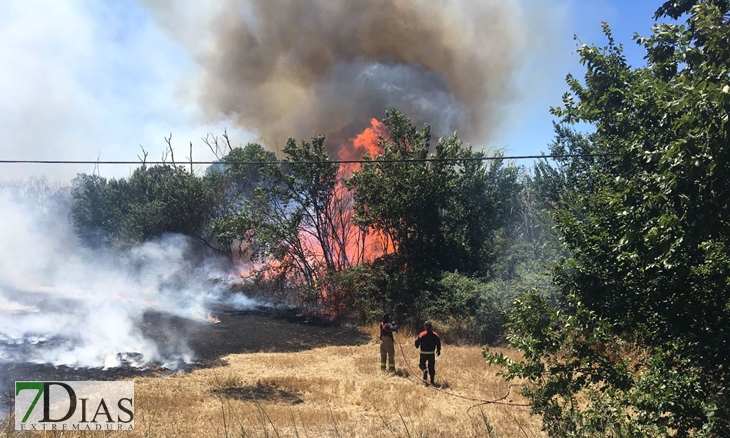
[(66, 305), (94, 80)]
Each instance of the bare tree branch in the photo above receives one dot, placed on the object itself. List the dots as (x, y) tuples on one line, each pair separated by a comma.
[(168, 140), (191, 157), (228, 140), (96, 166), (143, 158)]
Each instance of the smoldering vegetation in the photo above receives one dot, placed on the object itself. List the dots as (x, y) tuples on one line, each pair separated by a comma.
[(65, 304)]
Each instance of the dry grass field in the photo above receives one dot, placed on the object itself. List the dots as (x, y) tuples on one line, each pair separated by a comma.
[(336, 391)]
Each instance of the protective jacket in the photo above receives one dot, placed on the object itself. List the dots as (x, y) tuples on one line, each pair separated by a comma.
[(387, 329), (430, 342)]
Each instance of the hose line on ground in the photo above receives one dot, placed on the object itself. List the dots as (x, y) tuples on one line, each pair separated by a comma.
[(497, 401)]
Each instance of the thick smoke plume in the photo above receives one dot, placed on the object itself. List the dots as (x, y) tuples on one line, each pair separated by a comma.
[(322, 67), (63, 304)]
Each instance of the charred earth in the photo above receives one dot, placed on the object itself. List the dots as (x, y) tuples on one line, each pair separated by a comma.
[(231, 331)]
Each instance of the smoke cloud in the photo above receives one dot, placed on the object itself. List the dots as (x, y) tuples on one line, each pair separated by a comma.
[(321, 67), (66, 305)]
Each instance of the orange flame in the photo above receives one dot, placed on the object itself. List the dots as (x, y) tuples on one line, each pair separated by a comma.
[(213, 319), (371, 245), (365, 143)]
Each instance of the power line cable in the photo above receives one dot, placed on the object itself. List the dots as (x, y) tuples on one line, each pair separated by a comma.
[(397, 160)]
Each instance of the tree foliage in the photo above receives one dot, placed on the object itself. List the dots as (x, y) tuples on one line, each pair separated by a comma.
[(231, 183), (437, 212), (440, 208), (641, 346), (440, 214), (153, 201)]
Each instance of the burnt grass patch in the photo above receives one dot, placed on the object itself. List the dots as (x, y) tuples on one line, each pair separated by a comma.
[(267, 392), (260, 329)]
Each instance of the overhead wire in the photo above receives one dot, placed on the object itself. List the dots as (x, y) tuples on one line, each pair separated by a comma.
[(391, 160)]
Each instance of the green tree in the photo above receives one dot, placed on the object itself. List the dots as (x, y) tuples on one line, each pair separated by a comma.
[(641, 346), (153, 201), (95, 212), (439, 208), (164, 199), (231, 183)]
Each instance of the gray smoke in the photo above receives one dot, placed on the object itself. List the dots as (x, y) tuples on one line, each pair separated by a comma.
[(297, 68)]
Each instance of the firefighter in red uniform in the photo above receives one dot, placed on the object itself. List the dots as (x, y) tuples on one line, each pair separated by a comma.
[(430, 344), (387, 343)]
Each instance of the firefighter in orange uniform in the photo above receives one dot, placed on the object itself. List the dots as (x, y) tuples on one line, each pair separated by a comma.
[(387, 343), (430, 344)]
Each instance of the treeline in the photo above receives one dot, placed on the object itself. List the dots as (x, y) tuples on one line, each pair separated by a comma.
[(422, 230)]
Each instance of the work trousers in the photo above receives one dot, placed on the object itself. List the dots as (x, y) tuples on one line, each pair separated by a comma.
[(428, 361), (387, 352)]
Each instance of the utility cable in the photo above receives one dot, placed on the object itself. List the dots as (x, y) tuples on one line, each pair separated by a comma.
[(394, 160)]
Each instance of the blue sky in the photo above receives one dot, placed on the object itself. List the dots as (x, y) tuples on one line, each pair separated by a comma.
[(530, 129), (87, 79)]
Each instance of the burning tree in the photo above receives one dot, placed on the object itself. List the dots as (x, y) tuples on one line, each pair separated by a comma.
[(406, 216), (301, 219)]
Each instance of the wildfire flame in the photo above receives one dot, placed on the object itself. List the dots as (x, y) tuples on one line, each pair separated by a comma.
[(365, 143), (213, 319), (373, 244)]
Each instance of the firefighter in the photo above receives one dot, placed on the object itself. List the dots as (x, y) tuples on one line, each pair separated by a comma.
[(387, 343), (430, 344)]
